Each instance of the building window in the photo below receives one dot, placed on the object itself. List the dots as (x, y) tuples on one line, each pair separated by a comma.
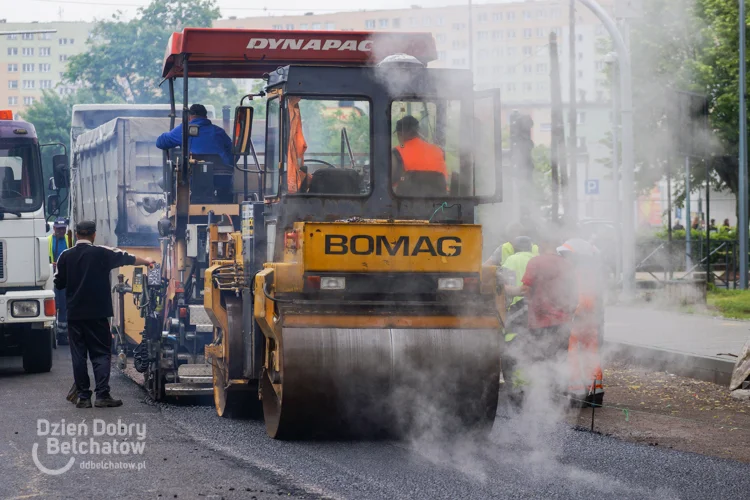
[(12, 51), (396, 22), (27, 68), (316, 26), (483, 35), (580, 56), (45, 68), (498, 52), (497, 34), (440, 37), (13, 101), (527, 86), (545, 127), (540, 14), (541, 68), (527, 14), (482, 18), (438, 21), (511, 33), (303, 26), (45, 51), (496, 70), (497, 16), (458, 44), (510, 70), (370, 24), (527, 69), (45, 84), (330, 26), (527, 32), (483, 53), (541, 85), (510, 87), (383, 23), (511, 51), (581, 117), (459, 62), (62, 41), (277, 27), (441, 55), (27, 36), (28, 84), (63, 57), (540, 33), (426, 21), (12, 37), (12, 84), (580, 74), (13, 68), (599, 65), (581, 143), (290, 27), (45, 36), (581, 95), (527, 50), (555, 12), (27, 51), (72, 41), (28, 101), (580, 38)]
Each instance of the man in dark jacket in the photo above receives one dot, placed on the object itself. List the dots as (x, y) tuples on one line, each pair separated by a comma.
[(83, 272)]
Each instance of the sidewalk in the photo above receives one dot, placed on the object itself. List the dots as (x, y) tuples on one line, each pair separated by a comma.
[(684, 344)]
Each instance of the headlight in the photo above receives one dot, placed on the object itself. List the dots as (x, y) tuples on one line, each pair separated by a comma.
[(331, 283), (450, 284), (24, 308)]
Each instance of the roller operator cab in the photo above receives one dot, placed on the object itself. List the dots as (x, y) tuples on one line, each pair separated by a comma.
[(27, 304), (349, 291)]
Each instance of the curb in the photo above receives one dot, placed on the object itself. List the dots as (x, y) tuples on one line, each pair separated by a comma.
[(715, 370)]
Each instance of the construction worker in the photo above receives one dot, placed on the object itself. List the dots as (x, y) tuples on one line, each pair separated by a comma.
[(419, 167), (211, 140), (59, 242), (501, 254), (83, 272), (585, 383)]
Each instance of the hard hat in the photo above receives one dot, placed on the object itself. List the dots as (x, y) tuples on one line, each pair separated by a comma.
[(578, 247)]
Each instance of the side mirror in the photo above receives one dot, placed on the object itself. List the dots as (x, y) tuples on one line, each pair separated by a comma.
[(243, 124), (60, 171), (193, 130), (53, 204)]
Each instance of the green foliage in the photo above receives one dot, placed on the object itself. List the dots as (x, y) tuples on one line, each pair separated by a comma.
[(679, 234), (730, 303), (124, 58)]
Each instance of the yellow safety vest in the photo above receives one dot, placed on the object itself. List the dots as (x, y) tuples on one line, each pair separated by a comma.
[(68, 244)]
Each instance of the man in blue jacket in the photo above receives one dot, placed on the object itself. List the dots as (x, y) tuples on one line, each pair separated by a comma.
[(211, 140)]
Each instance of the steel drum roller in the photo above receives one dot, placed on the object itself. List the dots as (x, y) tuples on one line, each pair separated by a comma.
[(393, 380)]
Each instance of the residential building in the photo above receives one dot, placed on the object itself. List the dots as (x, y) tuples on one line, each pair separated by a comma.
[(33, 58)]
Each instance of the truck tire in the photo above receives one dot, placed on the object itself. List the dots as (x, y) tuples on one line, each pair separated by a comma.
[(37, 351)]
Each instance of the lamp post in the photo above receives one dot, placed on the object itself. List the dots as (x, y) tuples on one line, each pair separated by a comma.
[(742, 222)]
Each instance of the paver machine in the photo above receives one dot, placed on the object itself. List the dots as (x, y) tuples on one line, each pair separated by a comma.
[(347, 290)]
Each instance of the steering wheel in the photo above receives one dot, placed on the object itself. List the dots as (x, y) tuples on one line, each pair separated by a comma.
[(321, 161), (20, 194)]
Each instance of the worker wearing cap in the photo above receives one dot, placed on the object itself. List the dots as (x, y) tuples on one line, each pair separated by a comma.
[(211, 140), (83, 272), (501, 253), (414, 154), (59, 242)]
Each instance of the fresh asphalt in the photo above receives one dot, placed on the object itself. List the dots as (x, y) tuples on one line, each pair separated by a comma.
[(192, 453)]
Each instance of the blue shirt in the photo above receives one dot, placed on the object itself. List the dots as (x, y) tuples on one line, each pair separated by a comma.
[(211, 140)]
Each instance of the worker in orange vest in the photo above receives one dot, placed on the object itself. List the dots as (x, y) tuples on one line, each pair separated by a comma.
[(585, 386), (419, 167)]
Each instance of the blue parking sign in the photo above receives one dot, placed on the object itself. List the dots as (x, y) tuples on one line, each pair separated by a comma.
[(592, 186)]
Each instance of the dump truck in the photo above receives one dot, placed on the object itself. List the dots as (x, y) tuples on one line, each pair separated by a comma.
[(345, 287), (27, 303)]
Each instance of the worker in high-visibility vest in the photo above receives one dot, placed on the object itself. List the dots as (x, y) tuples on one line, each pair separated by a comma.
[(585, 385), (58, 243), (501, 253), (420, 168)]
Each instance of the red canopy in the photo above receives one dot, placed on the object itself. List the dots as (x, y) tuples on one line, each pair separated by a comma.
[(234, 53)]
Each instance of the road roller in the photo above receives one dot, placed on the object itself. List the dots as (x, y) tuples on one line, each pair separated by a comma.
[(347, 291)]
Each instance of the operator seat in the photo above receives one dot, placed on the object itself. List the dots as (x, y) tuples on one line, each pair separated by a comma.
[(420, 183), (211, 177), (336, 181)]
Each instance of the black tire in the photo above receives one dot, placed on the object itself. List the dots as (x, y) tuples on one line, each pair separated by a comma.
[(37, 351)]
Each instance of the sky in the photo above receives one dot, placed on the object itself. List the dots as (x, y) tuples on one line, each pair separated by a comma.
[(89, 10)]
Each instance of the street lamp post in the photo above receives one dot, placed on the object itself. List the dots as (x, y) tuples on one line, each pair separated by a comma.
[(743, 222)]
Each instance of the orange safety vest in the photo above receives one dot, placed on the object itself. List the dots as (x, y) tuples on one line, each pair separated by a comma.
[(297, 146), (420, 156)]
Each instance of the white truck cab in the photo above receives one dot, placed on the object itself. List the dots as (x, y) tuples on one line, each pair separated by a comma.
[(27, 302)]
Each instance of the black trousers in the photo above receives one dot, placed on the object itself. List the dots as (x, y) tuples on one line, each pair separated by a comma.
[(92, 338)]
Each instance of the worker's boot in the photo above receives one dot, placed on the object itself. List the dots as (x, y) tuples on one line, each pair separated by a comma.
[(107, 402), (84, 403), (72, 394)]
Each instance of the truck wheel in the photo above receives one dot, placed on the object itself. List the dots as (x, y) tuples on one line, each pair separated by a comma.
[(37, 353)]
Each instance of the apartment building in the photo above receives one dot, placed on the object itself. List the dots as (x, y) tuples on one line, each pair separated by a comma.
[(33, 58)]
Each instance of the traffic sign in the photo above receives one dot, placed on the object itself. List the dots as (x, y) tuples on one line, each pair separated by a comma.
[(592, 186)]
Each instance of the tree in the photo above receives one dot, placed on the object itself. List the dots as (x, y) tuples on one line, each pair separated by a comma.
[(124, 58)]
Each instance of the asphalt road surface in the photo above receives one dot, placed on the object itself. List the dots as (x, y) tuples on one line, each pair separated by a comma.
[(192, 453)]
